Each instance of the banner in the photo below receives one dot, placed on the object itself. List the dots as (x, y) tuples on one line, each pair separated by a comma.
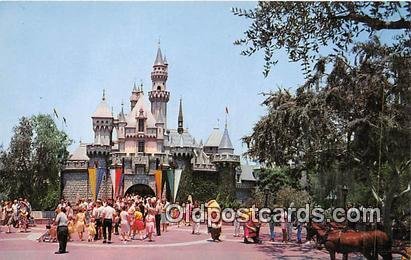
[(92, 180), (100, 175), (158, 177), (177, 177), (113, 180), (170, 178), (119, 181)]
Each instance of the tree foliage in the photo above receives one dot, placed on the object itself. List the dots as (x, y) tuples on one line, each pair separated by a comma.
[(303, 28), (349, 123), (33, 160)]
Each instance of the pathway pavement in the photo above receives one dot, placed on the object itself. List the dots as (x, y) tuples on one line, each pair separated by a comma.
[(177, 243)]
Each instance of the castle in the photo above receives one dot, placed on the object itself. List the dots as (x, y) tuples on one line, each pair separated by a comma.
[(142, 142)]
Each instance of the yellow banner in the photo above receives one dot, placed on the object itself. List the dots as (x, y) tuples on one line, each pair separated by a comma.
[(158, 176), (92, 180)]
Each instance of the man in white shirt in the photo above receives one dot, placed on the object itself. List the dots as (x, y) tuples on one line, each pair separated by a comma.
[(108, 214)]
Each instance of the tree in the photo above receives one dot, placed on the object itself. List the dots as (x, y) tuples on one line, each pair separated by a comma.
[(349, 123), (33, 161), (302, 29)]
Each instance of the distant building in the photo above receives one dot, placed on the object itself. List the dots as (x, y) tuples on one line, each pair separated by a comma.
[(141, 138)]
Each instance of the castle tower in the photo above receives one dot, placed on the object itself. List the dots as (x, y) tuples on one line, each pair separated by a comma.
[(180, 128), (158, 95), (121, 134), (99, 151), (135, 95)]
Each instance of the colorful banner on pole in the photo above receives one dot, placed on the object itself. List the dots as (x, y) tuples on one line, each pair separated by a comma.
[(158, 177), (170, 177), (92, 180), (177, 177), (100, 175), (113, 180), (119, 180)]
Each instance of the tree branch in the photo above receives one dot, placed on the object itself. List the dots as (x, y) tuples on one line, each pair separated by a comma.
[(376, 23)]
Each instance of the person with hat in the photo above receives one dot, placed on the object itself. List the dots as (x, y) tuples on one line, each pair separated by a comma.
[(214, 220)]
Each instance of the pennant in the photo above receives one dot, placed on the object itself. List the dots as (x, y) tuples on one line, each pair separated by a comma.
[(92, 180), (113, 180), (170, 177), (177, 177), (158, 177), (119, 180), (100, 174)]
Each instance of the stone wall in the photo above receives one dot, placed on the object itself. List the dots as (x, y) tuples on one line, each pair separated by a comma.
[(75, 186)]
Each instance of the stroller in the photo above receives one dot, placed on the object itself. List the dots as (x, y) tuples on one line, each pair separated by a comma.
[(50, 235)]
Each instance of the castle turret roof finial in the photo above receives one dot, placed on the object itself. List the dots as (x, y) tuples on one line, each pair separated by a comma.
[(180, 128), (104, 95)]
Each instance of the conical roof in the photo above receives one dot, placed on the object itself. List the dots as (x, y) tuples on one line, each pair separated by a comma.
[(159, 58), (214, 139), (103, 110), (80, 154), (225, 145)]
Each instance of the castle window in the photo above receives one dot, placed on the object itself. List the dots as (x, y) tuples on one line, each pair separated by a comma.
[(141, 125), (140, 147)]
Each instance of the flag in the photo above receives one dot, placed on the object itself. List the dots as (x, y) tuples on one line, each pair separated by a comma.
[(158, 177), (119, 180), (55, 113), (170, 178), (100, 175), (226, 110), (177, 177), (92, 180), (64, 120), (113, 180)]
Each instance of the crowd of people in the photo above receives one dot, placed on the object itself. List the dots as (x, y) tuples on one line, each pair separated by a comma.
[(15, 214)]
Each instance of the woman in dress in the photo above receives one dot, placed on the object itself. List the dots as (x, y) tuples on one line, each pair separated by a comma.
[(163, 220), (150, 222), (81, 222), (8, 220), (23, 218), (124, 225)]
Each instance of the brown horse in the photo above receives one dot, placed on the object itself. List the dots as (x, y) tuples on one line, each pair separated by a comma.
[(349, 241)]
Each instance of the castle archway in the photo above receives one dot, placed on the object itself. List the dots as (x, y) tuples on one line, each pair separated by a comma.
[(140, 189)]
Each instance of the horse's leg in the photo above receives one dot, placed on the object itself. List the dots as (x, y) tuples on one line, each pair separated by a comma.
[(345, 256), (332, 255)]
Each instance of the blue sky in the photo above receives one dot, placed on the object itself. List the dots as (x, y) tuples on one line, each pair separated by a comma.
[(62, 55)]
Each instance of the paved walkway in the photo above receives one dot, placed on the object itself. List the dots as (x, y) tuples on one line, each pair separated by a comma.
[(177, 243)]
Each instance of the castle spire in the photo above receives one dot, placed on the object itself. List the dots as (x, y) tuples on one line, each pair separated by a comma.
[(159, 58), (180, 128), (104, 95)]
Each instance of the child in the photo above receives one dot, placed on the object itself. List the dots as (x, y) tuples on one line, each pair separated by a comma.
[(70, 226), (91, 230), (150, 220), (138, 224), (236, 225)]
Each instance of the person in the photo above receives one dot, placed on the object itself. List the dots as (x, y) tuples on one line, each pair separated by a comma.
[(91, 230), (236, 224), (251, 229), (70, 226), (271, 224), (62, 230), (80, 223), (108, 214), (8, 220), (150, 220), (23, 217), (196, 219), (284, 221), (164, 221), (124, 225), (138, 225), (299, 229), (158, 207), (214, 220), (97, 216)]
